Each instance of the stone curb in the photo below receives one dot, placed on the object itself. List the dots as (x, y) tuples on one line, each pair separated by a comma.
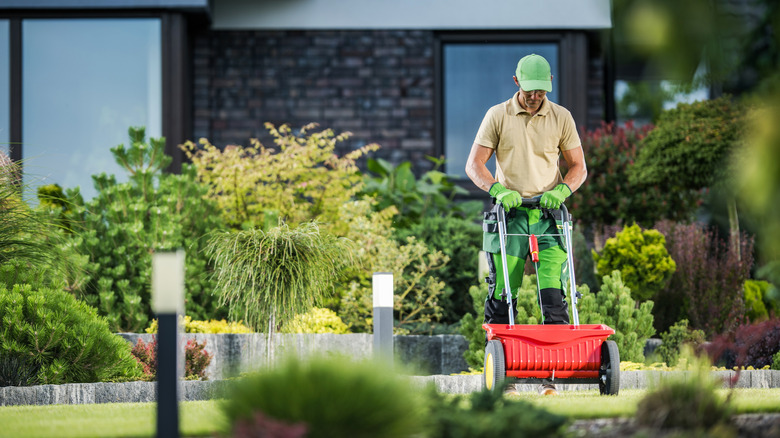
[(136, 392)]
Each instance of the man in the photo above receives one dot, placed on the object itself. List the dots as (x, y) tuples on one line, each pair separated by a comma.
[(527, 133)]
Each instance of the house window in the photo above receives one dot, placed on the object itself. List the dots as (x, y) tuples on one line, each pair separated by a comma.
[(5, 87), (84, 82), (475, 77)]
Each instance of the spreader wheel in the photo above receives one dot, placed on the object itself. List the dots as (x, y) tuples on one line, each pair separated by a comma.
[(495, 367), (609, 371)]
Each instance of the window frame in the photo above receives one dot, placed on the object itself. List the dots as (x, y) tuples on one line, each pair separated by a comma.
[(175, 64)]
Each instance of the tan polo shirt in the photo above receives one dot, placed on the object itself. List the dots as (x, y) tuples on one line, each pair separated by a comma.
[(527, 148)]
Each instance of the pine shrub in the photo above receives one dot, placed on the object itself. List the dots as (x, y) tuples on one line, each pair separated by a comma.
[(642, 259), (63, 336), (678, 336), (613, 306), (330, 398), (127, 222)]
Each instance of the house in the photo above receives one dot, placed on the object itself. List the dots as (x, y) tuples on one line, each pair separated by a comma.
[(415, 76)]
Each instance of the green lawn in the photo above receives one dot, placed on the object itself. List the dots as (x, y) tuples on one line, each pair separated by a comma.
[(198, 418), (203, 418)]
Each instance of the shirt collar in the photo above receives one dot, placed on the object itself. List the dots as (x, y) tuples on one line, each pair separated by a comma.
[(516, 109)]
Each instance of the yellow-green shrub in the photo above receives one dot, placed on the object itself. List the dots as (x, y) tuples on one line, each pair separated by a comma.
[(317, 320), (642, 259), (212, 326)]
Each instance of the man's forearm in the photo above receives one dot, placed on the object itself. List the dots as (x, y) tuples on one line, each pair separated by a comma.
[(481, 177), (575, 177)]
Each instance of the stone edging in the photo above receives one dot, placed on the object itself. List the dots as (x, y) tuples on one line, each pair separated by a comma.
[(135, 392)]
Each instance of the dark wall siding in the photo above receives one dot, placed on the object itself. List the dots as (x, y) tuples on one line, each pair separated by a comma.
[(376, 84)]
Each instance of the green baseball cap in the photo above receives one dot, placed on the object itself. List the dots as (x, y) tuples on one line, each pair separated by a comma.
[(533, 73)]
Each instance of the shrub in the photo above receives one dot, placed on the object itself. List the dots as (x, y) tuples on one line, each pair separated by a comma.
[(750, 345), (691, 403), (490, 414), (301, 181), (678, 336), (690, 145), (17, 370), (642, 259), (316, 320), (196, 359), (609, 197), (707, 287), (63, 336), (460, 240), (613, 306), (418, 289), (755, 308), (211, 326), (471, 328), (126, 223), (330, 397), (430, 196), (776, 361)]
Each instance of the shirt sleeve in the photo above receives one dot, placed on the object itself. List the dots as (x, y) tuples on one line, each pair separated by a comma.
[(488, 134), (569, 137)]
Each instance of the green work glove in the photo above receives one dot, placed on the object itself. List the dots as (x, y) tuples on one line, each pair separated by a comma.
[(508, 198), (554, 198)]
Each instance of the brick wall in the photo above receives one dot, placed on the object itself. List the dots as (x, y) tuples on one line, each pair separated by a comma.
[(376, 84)]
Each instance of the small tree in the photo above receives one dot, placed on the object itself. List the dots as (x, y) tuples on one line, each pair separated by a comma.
[(268, 277)]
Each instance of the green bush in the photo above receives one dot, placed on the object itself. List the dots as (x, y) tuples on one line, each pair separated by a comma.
[(609, 197), (613, 306), (488, 414), (690, 146), (755, 306), (300, 181), (460, 240), (642, 259), (63, 336), (691, 403), (127, 222), (419, 292), (776, 361), (330, 397), (678, 336), (316, 320), (431, 195)]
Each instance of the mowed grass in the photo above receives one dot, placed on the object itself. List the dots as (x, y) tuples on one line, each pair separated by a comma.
[(204, 418), (197, 419)]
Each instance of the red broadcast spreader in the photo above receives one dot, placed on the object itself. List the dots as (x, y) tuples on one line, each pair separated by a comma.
[(548, 353)]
